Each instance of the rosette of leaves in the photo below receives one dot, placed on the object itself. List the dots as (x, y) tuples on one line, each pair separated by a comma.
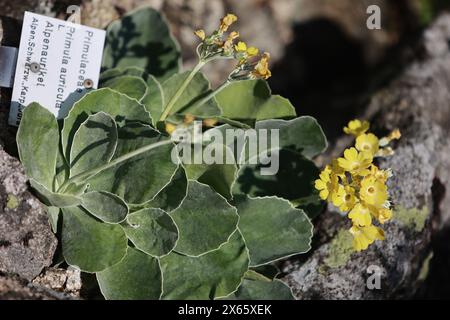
[(152, 228)]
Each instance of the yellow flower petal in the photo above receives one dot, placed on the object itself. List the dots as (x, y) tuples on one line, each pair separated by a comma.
[(367, 143), (360, 215), (252, 51), (201, 34), (356, 127)]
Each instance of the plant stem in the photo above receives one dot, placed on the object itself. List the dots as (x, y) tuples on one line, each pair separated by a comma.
[(211, 95), (87, 174), (180, 91)]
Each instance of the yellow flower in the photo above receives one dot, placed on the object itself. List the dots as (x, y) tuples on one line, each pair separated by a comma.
[(367, 143), (226, 22), (170, 128), (210, 122), (188, 118), (262, 68), (241, 46), (337, 170), (373, 191), (360, 215), (382, 214), (394, 135), (228, 44), (357, 127), (252, 51), (344, 198), (364, 236), (327, 184), (201, 34), (355, 162), (380, 175)]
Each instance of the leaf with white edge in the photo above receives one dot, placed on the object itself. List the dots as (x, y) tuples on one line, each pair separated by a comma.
[(120, 107), (89, 244), (142, 38), (252, 100), (268, 270), (293, 180), (302, 135), (49, 198), (220, 174), (195, 91), (132, 86), (153, 100), (205, 220), (211, 276), (140, 178), (38, 141), (152, 231), (105, 206), (115, 73), (137, 277), (94, 143), (262, 290), (53, 217), (173, 194), (272, 228)]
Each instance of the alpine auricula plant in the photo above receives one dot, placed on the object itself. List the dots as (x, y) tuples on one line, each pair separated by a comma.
[(152, 228)]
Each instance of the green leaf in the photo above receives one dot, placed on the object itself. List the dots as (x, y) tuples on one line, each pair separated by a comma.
[(219, 175), (269, 271), (132, 86), (137, 277), (213, 275), (53, 217), (37, 141), (272, 228), (120, 107), (142, 39), (170, 198), (105, 206), (152, 231), (302, 135), (293, 181), (251, 100), (186, 104), (53, 199), (262, 290), (140, 178), (153, 100), (111, 74), (205, 220), (94, 143), (88, 244)]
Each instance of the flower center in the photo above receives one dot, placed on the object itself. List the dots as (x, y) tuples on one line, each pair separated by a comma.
[(347, 197), (366, 147), (371, 190)]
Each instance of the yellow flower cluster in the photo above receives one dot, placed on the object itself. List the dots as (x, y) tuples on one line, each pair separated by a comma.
[(252, 64), (354, 184)]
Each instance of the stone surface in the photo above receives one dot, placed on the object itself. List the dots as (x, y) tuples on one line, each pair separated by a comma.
[(27, 243), (61, 280), (418, 103), (15, 288)]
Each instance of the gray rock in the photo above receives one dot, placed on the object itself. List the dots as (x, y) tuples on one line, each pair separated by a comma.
[(15, 288), (27, 243)]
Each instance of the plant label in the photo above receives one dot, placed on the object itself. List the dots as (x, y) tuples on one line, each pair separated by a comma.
[(58, 62)]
